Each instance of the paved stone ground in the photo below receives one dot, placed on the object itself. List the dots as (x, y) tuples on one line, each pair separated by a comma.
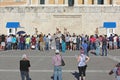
[(42, 69)]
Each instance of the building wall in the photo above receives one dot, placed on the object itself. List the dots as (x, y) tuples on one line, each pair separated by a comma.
[(51, 1), (90, 2), (118, 2), (78, 20), (80, 1), (109, 1), (60, 1), (36, 2), (12, 3)]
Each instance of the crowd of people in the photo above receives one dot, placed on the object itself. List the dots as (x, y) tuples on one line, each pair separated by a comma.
[(62, 42)]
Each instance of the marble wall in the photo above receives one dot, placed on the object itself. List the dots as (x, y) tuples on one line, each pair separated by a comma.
[(78, 19)]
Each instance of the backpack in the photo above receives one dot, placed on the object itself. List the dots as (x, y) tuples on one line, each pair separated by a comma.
[(118, 71)]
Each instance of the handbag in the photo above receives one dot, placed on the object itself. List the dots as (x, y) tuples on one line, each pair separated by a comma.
[(86, 65), (62, 62)]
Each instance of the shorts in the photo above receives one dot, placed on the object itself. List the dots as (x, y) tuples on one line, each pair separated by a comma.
[(115, 43), (110, 43), (67, 43), (2, 43)]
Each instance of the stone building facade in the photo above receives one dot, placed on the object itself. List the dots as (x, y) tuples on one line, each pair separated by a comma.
[(83, 17)]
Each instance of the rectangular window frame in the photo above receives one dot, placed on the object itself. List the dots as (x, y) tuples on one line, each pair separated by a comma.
[(100, 2), (41, 1)]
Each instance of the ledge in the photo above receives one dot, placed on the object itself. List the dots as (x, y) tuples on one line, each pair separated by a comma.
[(60, 9)]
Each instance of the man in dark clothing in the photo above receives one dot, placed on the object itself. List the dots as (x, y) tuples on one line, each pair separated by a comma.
[(104, 46), (24, 67)]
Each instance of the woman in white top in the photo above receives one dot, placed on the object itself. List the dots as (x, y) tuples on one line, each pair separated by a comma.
[(82, 60)]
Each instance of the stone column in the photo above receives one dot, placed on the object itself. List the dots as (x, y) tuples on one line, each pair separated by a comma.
[(113, 2), (75, 2), (37, 2), (85, 2), (46, 2), (95, 2), (105, 2), (56, 1), (28, 2), (66, 2)]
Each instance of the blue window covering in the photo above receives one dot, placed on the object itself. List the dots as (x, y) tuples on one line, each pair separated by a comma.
[(109, 25), (12, 25)]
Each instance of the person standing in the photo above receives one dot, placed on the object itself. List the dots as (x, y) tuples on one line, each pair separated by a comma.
[(63, 44), (97, 44), (82, 64), (110, 42), (115, 41), (57, 41), (22, 41), (24, 68), (3, 42), (104, 46), (85, 47), (56, 61)]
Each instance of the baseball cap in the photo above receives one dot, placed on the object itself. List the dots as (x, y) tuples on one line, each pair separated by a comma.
[(57, 51)]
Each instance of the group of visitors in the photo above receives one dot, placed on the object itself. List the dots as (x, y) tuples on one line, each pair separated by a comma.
[(57, 63), (62, 42)]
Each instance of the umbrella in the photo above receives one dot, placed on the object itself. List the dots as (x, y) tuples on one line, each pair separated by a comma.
[(21, 32)]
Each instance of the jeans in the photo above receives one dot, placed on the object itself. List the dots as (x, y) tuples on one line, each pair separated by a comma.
[(47, 45), (57, 47), (97, 51), (104, 49), (78, 46), (25, 74), (9, 46), (21, 46), (119, 44), (27, 46), (57, 73), (92, 46)]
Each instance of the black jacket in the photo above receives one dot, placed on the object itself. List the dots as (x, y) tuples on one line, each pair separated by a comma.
[(24, 65)]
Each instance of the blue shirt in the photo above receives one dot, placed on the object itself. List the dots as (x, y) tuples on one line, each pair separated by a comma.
[(85, 45), (14, 40)]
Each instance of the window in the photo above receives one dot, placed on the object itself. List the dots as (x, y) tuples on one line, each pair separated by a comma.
[(71, 2), (42, 1), (10, 30), (100, 1)]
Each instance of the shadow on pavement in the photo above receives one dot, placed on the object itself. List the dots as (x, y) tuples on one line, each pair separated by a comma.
[(52, 77), (76, 75)]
